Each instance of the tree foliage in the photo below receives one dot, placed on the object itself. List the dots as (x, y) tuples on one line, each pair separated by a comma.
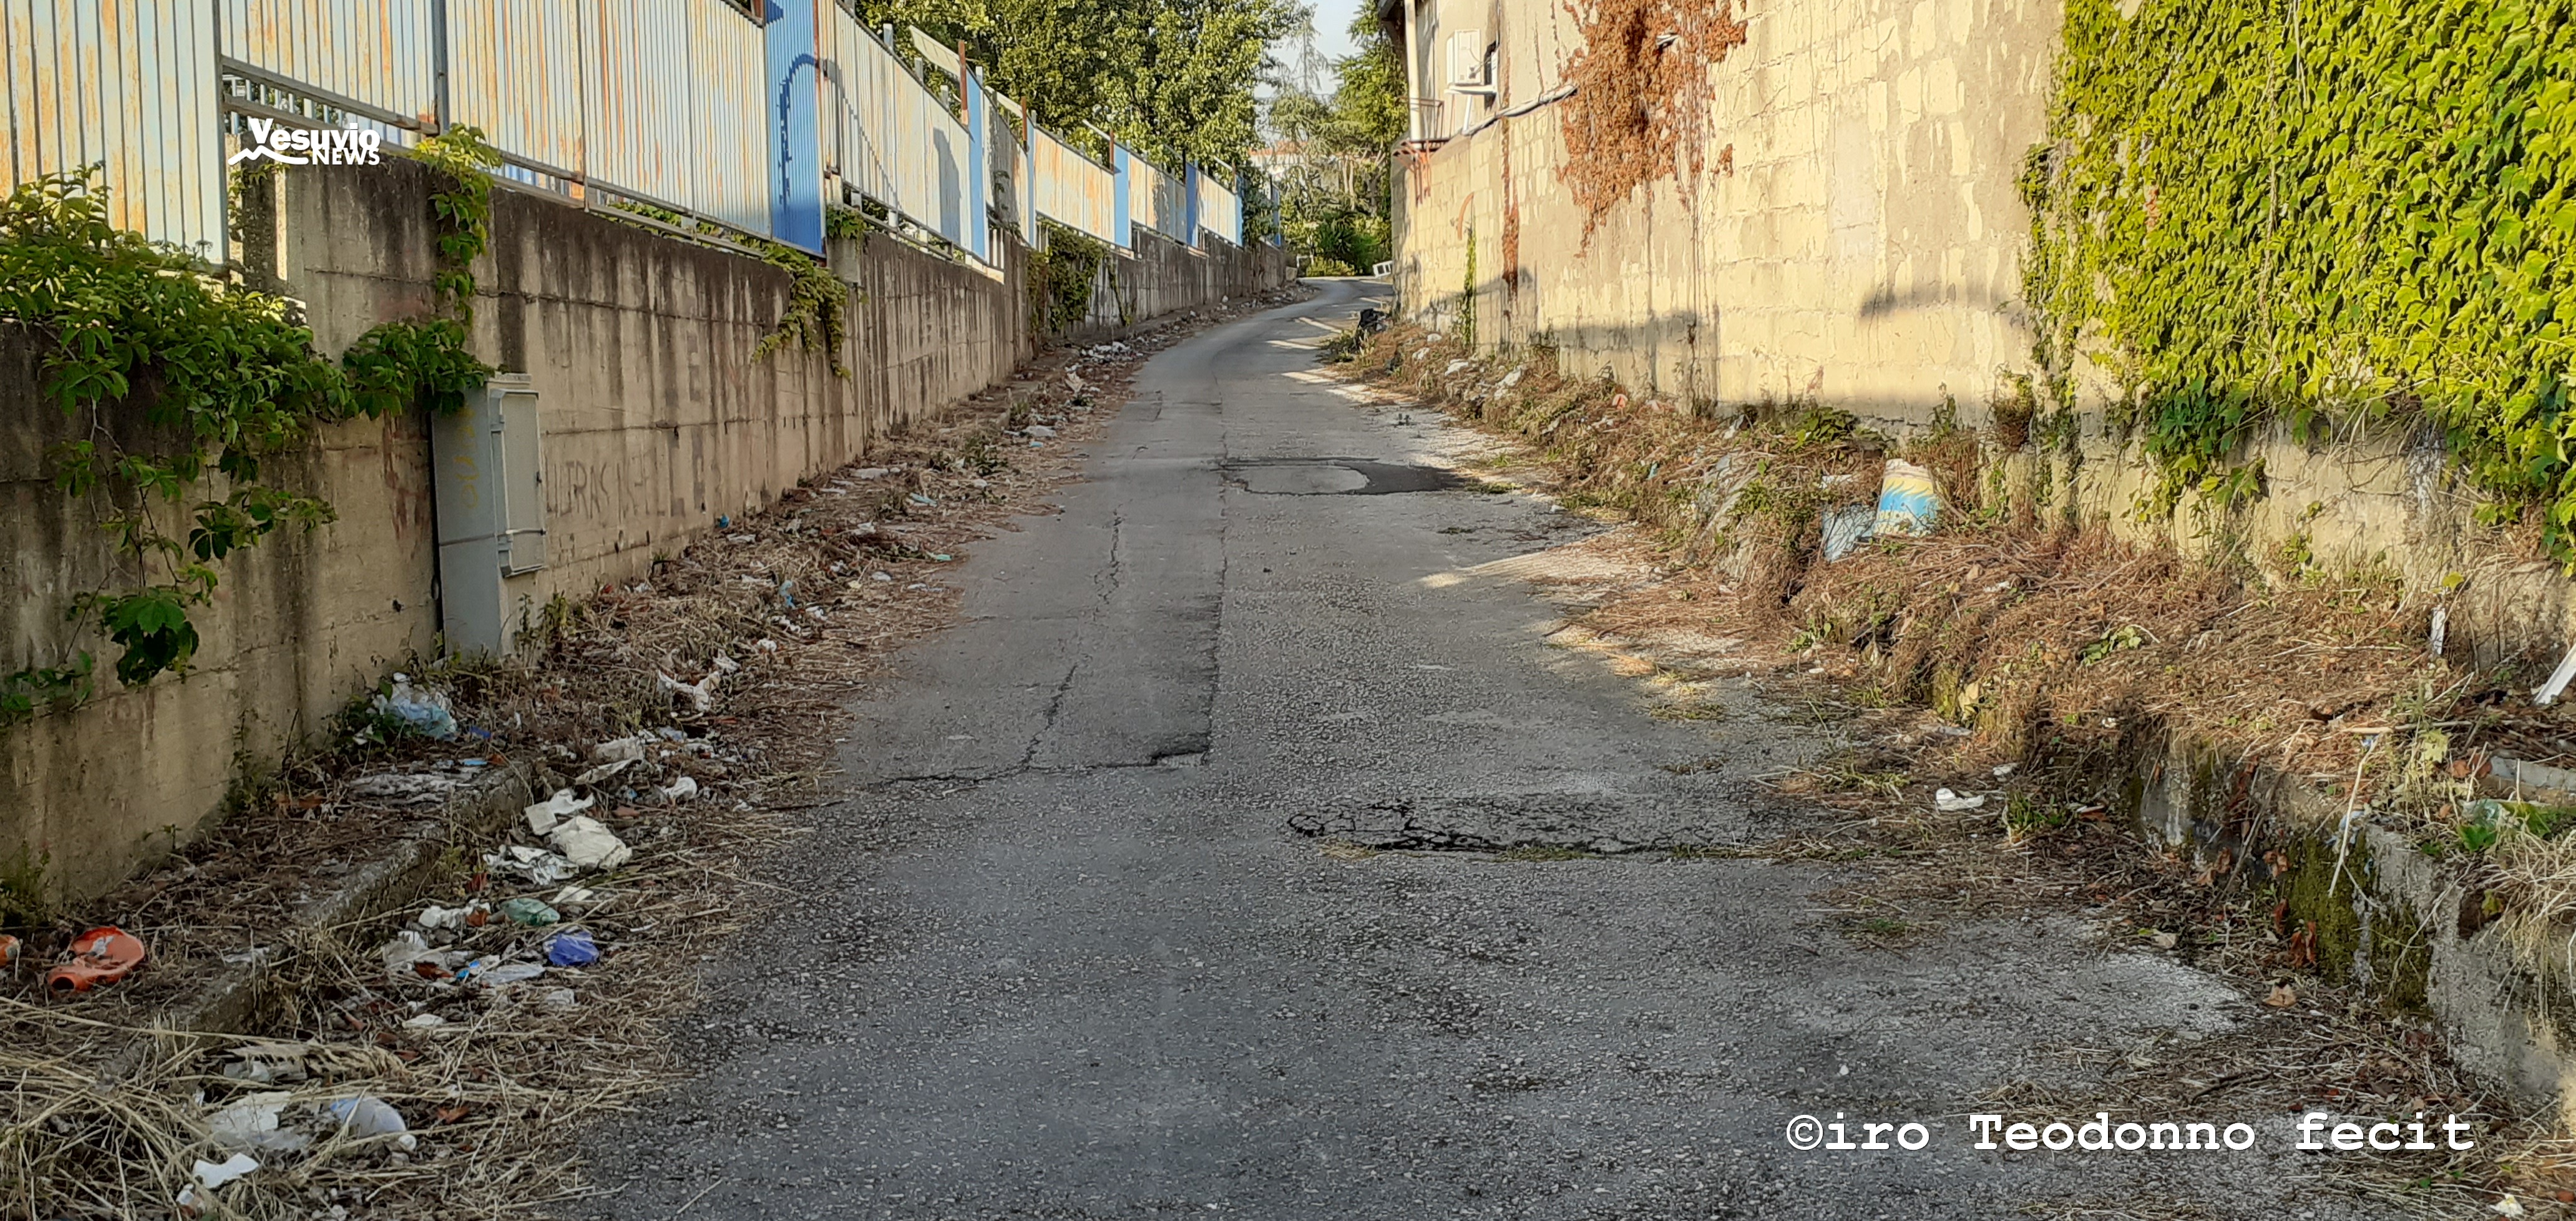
[(189, 387), (1335, 201), (1172, 79)]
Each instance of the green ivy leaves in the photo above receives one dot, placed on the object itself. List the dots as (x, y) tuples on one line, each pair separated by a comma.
[(153, 626), (227, 378), (403, 365), (2340, 208)]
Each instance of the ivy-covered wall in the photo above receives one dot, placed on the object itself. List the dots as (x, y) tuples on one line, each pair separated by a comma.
[(2323, 215)]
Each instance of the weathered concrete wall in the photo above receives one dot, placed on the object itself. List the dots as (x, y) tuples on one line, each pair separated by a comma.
[(1852, 238), (298, 625), (1851, 234), (1162, 277), (655, 420)]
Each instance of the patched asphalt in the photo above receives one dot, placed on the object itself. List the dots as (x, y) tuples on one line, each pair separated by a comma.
[(1072, 946)]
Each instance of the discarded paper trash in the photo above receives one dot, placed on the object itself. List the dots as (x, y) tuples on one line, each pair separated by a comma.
[(211, 1175), (436, 917), (614, 749), (1951, 803), (681, 789), (537, 865), (700, 694), (403, 788), (543, 816), (602, 772), (252, 1123)]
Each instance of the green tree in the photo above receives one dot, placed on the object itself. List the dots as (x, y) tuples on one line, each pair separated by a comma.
[(1172, 79), (1335, 200), (1048, 55)]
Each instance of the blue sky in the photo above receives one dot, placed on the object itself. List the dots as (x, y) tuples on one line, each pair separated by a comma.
[(1332, 18)]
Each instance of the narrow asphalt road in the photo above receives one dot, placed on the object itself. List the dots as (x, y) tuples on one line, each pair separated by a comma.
[(1065, 951)]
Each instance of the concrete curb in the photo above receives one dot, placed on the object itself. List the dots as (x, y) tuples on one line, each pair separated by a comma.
[(2384, 915)]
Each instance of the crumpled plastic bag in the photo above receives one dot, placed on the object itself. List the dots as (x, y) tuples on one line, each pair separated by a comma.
[(589, 845), (252, 1123), (423, 708)]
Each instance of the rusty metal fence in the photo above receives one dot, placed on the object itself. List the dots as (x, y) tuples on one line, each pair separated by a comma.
[(679, 104), (1072, 189), (1220, 210), (129, 86), (1156, 200), (887, 137)]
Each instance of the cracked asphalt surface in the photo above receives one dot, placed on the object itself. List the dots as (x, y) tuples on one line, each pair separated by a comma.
[(1070, 947)]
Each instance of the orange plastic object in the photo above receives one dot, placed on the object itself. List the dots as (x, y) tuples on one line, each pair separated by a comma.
[(9, 951), (99, 956)]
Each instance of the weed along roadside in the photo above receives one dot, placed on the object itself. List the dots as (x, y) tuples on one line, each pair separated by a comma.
[(425, 949), (2261, 765)]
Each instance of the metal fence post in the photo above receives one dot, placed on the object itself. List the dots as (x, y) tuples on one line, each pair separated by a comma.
[(1120, 212), (438, 65), (979, 161)]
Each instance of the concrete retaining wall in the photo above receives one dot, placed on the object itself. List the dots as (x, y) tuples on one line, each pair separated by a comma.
[(655, 421), (2381, 912), (1852, 238)]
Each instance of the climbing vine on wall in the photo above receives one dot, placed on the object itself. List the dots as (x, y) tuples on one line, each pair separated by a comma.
[(227, 382), (1641, 94), (1063, 276), (817, 315), (2314, 212)]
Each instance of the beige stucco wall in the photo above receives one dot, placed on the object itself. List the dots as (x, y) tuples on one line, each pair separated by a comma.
[(1862, 248), (655, 421)]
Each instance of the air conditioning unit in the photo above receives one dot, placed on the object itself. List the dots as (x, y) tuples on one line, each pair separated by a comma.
[(1467, 62)]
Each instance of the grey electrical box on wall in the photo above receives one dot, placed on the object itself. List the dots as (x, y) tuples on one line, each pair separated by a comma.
[(491, 514)]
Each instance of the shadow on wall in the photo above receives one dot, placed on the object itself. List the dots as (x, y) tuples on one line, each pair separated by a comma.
[(1885, 300)]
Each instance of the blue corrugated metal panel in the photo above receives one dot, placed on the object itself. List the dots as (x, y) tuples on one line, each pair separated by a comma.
[(378, 53), (130, 85), (515, 70)]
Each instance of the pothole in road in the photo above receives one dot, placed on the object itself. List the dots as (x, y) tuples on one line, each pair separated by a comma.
[(1344, 477), (1532, 826)]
